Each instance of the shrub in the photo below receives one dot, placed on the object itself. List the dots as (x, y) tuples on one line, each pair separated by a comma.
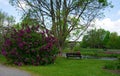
[(28, 46), (67, 50), (114, 65), (77, 47)]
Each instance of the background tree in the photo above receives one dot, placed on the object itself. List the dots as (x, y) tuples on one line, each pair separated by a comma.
[(89, 39), (100, 38), (10, 20), (63, 17), (27, 19), (106, 39), (114, 41), (2, 18), (95, 38), (5, 22)]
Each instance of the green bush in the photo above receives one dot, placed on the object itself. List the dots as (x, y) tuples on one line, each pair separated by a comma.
[(67, 50), (77, 47), (28, 46), (114, 65)]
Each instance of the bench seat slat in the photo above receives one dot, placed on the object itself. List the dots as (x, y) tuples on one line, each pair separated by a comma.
[(73, 55)]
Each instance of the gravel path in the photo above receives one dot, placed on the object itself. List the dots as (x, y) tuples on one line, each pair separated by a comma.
[(7, 71)]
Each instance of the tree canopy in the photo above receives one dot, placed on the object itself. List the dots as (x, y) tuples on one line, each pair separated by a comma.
[(62, 17), (100, 38)]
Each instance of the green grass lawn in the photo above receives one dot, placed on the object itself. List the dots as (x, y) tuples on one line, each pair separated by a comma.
[(68, 67), (71, 67), (2, 59)]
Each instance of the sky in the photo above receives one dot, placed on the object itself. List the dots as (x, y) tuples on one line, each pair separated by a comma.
[(110, 22)]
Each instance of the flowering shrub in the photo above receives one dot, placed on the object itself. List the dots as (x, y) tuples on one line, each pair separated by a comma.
[(28, 46)]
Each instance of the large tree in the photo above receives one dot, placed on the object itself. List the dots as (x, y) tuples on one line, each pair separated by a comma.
[(63, 17)]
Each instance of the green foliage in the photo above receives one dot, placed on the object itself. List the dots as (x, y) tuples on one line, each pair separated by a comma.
[(99, 38), (6, 19), (95, 38), (90, 51), (5, 22), (113, 65), (98, 52), (2, 59), (17, 26), (30, 47), (67, 50), (104, 2), (114, 41), (28, 20), (77, 47)]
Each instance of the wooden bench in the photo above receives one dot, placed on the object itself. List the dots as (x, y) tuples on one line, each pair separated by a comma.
[(77, 54)]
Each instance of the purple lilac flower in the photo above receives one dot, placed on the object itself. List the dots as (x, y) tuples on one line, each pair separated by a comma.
[(22, 31), (47, 39), (8, 42), (20, 35), (19, 40), (3, 52), (14, 30), (21, 45), (20, 63), (48, 46), (13, 36), (13, 52), (38, 57), (43, 33), (28, 30), (47, 31), (33, 51)]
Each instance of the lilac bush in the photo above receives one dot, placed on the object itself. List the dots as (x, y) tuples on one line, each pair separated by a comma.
[(28, 46)]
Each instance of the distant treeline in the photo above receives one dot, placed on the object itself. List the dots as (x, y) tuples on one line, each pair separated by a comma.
[(100, 38)]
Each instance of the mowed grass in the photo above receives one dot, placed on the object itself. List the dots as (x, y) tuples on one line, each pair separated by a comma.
[(2, 59), (71, 67), (68, 67)]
